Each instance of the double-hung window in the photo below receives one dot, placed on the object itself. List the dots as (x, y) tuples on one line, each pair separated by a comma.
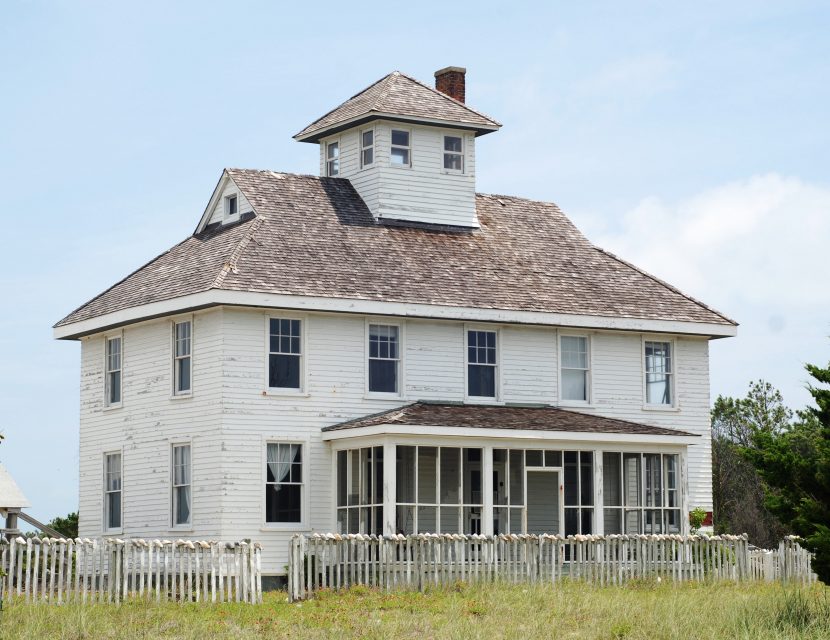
[(575, 369), (384, 358), (112, 491), (399, 152), (284, 353), (659, 373), (113, 371), (283, 483), (182, 348), (481, 364), (454, 153), (367, 148), (181, 485), (333, 159)]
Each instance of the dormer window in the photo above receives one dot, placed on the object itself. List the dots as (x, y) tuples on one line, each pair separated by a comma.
[(453, 153), (333, 159), (367, 148), (399, 152), (231, 206)]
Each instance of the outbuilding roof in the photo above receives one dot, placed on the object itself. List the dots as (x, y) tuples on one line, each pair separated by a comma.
[(314, 236), (398, 96), (11, 497), (541, 418)]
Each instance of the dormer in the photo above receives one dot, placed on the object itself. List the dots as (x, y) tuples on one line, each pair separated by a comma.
[(407, 148)]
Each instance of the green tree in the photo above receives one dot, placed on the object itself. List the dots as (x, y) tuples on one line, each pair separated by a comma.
[(67, 526), (795, 465)]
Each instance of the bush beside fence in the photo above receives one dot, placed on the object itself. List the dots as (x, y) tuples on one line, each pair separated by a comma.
[(334, 561), (111, 570)]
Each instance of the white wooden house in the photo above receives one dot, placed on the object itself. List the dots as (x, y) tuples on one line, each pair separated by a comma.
[(381, 349)]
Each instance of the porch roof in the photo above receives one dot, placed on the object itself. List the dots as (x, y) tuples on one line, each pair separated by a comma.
[(540, 418)]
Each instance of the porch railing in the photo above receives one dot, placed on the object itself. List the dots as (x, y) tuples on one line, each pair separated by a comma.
[(59, 570), (334, 561)]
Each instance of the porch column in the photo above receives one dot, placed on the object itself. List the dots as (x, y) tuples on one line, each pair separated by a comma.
[(389, 487), (684, 494), (599, 519), (487, 490)]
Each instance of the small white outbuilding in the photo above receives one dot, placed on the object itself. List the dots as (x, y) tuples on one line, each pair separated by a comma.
[(12, 501)]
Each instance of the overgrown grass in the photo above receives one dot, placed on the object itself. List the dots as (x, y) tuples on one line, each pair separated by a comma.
[(644, 609)]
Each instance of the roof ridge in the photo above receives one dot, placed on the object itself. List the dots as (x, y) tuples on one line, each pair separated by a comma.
[(664, 283), (231, 262), (450, 98)]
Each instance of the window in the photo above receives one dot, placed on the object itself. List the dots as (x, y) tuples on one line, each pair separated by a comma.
[(181, 485), (113, 371), (333, 159), (640, 493), (182, 334), (360, 490), (284, 354), (453, 153), (399, 152), (367, 148), (575, 368), (283, 483), (384, 358), (579, 492), (658, 364), (481, 364), (112, 491), (231, 206), (438, 490)]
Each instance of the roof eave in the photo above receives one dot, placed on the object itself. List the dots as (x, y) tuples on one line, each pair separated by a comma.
[(316, 135)]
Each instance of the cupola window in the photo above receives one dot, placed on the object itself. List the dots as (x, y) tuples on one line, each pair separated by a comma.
[(367, 148), (231, 206), (453, 153), (333, 159), (399, 152)]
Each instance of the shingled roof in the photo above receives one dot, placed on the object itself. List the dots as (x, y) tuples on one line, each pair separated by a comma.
[(314, 236), (402, 97), (503, 417)]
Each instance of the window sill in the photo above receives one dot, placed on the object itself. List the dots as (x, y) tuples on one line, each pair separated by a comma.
[(482, 400), (576, 404), (113, 407), (181, 530), (113, 532), (278, 392), (286, 528), (664, 408), (181, 396), (379, 395), (400, 166)]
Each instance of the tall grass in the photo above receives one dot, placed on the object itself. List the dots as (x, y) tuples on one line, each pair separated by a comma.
[(645, 609)]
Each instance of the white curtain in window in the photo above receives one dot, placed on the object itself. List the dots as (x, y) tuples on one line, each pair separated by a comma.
[(279, 461)]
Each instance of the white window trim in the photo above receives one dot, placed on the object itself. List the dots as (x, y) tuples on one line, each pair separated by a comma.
[(285, 391), (226, 215), (107, 404), (675, 404), (170, 502), (361, 148), (104, 501), (180, 395), (398, 146), (382, 395), (590, 378), (305, 503), (462, 153), (326, 144), (482, 399)]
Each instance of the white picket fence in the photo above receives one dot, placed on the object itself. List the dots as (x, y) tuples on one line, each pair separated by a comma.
[(789, 563), (62, 570), (335, 561)]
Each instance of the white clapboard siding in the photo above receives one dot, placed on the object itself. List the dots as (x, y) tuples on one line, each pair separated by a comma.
[(232, 412)]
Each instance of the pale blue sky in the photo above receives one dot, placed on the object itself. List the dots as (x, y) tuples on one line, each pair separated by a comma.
[(693, 140)]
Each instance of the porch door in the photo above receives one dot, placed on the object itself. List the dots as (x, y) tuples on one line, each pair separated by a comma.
[(543, 505)]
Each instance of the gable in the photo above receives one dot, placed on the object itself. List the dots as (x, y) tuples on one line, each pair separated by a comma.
[(216, 210)]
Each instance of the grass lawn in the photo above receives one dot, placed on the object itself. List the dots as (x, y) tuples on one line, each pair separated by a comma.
[(639, 610)]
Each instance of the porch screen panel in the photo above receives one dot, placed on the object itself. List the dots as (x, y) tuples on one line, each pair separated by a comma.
[(359, 501)]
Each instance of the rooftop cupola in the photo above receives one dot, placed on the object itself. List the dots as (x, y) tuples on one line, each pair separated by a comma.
[(407, 148)]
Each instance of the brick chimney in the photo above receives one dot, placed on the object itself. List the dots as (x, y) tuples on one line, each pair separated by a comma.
[(450, 81)]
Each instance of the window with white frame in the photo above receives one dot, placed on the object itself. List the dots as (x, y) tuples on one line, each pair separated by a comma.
[(454, 153), (231, 205), (641, 493), (182, 347), (181, 485), (113, 371), (112, 491), (367, 148), (658, 372), (360, 490), (575, 368), (284, 353), (438, 490), (481, 364), (384, 358), (579, 492), (400, 150), (333, 159), (283, 483)]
